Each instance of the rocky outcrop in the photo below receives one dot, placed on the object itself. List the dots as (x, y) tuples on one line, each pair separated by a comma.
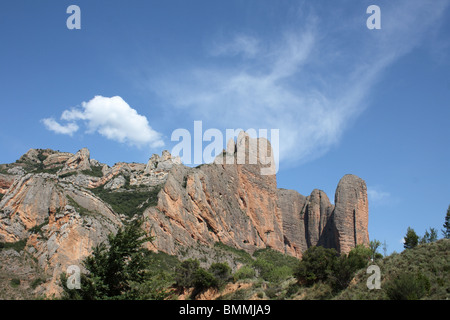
[(351, 214), (228, 202), (57, 158), (161, 164), (52, 201), (292, 205), (59, 222), (6, 181), (79, 161)]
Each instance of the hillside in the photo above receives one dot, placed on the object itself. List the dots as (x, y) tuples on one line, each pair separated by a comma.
[(426, 265), (56, 206)]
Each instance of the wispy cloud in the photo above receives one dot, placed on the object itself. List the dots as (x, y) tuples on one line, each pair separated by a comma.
[(112, 118), (241, 44), (308, 83), (377, 196)]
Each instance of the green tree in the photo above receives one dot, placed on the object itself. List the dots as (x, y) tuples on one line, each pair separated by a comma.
[(185, 273), (204, 280), (189, 274), (411, 239), (446, 225), (316, 264), (222, 273), (374, 245), (114, 266), (345, 267), (429, 237)]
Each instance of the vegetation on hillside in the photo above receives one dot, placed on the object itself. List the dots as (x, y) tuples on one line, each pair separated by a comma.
[(123, 269), (130, 201)]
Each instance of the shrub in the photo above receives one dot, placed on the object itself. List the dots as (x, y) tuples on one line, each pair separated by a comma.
[(15, 282), (36, 282), (18, 245), (204, 280), (68, 174), (155, 286), (38, 228), (244, 272), (344, 270), (272, 291), (274, 266), (185, 273), (222, 273), (316, 264), (129, 202), (408, 286), (242, 256), (95, 171)]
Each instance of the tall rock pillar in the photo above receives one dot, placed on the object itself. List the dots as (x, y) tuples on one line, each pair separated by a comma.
[(351, 213)]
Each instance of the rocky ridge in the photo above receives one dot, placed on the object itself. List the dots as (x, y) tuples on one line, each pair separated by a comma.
[(60, 204)]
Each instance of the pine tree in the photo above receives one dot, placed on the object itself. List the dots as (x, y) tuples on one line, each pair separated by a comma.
[(446, 225), (411, 239), (433, 235)]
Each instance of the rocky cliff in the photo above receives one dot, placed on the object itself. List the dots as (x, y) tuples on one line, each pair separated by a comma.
[(58, 205)]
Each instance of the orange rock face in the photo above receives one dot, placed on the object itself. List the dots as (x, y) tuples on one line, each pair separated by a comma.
[(228, 201), (351, 214)]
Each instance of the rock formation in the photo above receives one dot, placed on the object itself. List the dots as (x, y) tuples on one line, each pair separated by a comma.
[(62, 204), (351, 214)]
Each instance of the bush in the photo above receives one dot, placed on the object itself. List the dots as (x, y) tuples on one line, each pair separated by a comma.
[(155, 286), (204, 280), (185, 273), (274, 266), (244, 272), (68, 174), (222, 273), (130, 202), (15, 282), (95, 171), (408, 286), (344, 270), (36, 282), (18, 245), (242, 256), (316, 264)]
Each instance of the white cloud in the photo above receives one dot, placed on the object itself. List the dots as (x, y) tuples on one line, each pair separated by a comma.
[(377, 196), (242, 44), (112, 118), (307, 83), (54, 126)]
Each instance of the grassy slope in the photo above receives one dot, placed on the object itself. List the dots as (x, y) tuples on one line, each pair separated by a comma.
[(431, 260)]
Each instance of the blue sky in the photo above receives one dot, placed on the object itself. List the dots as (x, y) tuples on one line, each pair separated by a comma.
[(346, 99)]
